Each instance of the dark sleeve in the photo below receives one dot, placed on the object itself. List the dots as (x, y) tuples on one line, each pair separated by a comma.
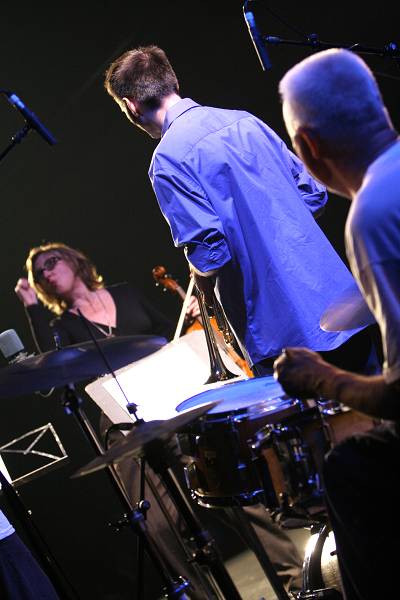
[(136, 315), (160, 324), (43, 326)]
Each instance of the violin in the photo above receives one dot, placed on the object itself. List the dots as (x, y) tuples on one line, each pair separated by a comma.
[(163, 279)]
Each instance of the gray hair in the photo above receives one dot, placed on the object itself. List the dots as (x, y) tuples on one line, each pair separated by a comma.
[(334, 93)]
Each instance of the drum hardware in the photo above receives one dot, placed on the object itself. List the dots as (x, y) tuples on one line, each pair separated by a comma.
[(321, 575), (221, 470), (295, 477), (147, 440), (331, 407)]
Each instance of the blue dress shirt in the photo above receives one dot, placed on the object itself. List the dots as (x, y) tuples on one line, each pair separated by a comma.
[(239, 201)]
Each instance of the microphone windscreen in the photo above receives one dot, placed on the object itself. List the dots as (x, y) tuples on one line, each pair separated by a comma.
[(10, 343)]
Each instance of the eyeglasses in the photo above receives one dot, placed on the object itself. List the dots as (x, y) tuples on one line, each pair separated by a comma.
[(48, 265)]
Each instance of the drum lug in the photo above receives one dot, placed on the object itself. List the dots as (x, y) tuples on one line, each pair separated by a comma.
[(322, 594)]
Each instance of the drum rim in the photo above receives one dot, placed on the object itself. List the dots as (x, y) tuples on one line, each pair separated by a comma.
[(234, 411)]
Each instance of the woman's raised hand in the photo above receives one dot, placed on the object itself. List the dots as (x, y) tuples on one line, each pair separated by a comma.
[(25, 292)]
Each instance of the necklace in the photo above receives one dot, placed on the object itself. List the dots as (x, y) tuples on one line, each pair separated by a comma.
[(109, 332)]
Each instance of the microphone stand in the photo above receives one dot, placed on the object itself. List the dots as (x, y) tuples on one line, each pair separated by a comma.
[(31, 122), (16, 139), (390, 49)]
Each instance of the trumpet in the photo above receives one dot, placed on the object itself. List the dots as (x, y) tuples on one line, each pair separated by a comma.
[(219, 372)]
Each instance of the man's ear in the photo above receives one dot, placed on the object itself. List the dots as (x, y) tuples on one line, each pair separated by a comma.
[(310, 150), (131, 107), (307, 142)]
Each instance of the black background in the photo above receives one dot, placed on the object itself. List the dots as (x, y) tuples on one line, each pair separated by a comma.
[(91, 190)]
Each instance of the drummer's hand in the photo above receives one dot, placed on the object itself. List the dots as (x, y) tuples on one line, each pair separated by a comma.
[(300, 372), (25, 292), (193, 310)]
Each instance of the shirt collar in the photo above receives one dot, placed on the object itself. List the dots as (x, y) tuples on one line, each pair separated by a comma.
[(176, 111)]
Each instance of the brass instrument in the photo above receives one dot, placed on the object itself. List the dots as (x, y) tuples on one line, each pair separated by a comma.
[(222, 322), (219, 372)]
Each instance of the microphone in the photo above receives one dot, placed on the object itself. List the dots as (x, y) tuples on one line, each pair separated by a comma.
[(256, 38), (11, 346), (31, 118)]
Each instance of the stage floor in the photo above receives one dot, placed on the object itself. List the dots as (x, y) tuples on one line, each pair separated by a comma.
[(248, 575)]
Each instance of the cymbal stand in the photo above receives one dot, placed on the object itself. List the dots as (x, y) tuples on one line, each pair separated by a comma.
[(238, 516), (175, 585), (41, 550), (73, 405), (206, 552)]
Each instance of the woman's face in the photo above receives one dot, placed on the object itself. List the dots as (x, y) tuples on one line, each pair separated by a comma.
[(54, 274)]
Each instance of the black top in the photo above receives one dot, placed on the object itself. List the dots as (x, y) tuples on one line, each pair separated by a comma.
[(135, 316)]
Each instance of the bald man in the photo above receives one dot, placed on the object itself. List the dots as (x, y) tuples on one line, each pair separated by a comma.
[(341, 130)]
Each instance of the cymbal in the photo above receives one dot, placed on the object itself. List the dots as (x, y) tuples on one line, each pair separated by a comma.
[(348, 311), (74, 363), (141, 435)]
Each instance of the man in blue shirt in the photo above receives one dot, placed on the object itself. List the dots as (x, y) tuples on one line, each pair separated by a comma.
[(242, 206)]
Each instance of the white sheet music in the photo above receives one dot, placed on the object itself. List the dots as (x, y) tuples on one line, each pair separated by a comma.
[(159, 382)]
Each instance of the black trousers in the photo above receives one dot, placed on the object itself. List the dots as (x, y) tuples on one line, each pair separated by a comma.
[(21, 577), (362, 493)]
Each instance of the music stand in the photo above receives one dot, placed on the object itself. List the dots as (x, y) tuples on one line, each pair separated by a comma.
[(36, 445)]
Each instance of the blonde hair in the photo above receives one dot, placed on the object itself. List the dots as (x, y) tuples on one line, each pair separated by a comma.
[(81, 265)]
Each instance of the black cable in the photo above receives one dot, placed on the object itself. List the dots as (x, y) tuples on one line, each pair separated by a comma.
[(115, 427)]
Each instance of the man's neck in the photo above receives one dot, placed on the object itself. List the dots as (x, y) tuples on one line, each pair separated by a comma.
[(352, 169), (154, 119)]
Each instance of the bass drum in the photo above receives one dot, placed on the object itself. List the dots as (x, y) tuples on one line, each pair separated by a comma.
[(321, 575)]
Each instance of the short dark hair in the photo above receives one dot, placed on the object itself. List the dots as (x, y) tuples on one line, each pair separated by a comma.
[(143, 74), (78, 261)]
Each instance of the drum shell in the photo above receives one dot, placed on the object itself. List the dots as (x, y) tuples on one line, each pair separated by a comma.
[(317, 430), (337, 426), (220, 467)]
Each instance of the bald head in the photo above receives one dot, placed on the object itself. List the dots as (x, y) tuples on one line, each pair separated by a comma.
[(334, 94)]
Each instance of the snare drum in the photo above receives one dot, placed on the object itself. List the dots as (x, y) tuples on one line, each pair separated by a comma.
[(221, 469), (294, 450)]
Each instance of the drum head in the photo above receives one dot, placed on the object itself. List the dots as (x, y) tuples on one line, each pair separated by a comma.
[(263, 392)]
